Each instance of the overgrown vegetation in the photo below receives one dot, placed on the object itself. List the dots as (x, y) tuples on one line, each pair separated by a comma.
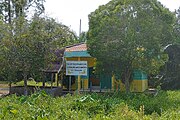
[(165, 105)]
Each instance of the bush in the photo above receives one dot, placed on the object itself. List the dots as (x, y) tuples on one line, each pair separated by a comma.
[(108, 106)]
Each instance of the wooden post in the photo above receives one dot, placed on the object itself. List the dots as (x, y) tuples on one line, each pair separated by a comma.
[(83, 84), (61, 80), (52, 79), (56, 79), (70, 84), (90, 86), (79, 79)]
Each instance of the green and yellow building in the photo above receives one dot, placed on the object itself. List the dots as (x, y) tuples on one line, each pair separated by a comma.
[(79, 52)]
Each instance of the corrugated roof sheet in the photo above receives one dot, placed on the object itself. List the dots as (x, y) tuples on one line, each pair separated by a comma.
[(78, 50), (78, 47)]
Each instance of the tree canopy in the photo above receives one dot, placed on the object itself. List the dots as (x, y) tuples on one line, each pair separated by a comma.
[(125, 35), (27, 46), (177, 26), (11, 9)]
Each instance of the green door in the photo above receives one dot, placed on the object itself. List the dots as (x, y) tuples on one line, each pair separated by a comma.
[(105, 81)]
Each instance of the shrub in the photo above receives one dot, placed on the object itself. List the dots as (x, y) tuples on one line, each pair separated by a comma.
[(108, 106)]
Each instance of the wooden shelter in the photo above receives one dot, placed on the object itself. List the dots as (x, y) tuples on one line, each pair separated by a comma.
[(54, 72)]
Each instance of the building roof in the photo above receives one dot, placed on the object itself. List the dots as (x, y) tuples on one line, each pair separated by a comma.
[(77, 47), (78, 50)]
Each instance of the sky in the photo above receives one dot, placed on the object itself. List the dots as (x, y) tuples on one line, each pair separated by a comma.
[(69, 12)]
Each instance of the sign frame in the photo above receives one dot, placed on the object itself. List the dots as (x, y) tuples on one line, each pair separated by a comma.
[(76, 68)]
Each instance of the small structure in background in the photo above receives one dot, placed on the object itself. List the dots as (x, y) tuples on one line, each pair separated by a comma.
[(138, 84), (54, 72)]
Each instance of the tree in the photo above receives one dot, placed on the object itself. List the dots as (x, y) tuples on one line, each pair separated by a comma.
[(125, 35), (171, 78), (172, 67), (30, 49), (50, 36), (11, 9), (177, 26), (18, 45), (83, 37)]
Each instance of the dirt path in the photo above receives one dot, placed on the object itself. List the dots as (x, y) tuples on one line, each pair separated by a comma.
[(4, 89)]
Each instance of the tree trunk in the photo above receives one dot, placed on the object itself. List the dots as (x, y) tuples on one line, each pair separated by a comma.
[(9, 11), (127, 75), (127, 85), (43, 81), (25, 84), (10, 83)]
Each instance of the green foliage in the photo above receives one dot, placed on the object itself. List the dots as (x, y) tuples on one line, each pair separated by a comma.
[(107, 106), (169, 73), (11, 9), (177, 27), (130, 34), (171, 69), (28, 46), (83, 37)]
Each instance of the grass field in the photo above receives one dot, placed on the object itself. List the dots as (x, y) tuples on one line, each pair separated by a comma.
[(3, 88), (4, 85), (21, 83)]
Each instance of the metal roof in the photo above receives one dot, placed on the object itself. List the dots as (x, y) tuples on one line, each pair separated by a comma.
[(77, 47), (78, 50)]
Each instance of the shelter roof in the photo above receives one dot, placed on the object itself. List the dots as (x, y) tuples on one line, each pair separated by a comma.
[(56, 65), (53, 68)]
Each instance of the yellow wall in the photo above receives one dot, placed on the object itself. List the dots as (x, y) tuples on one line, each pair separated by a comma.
[(85, 83), (136, 86), (91, 63), (139, 85)]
